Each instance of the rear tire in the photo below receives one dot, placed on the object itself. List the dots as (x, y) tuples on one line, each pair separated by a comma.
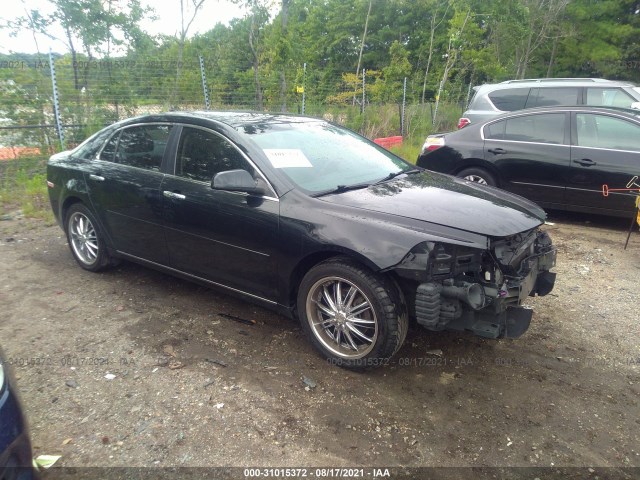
[(351, 315), (85, 239), (478, 175)]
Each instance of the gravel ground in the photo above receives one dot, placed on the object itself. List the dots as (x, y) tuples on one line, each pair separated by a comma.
[(132, 367)]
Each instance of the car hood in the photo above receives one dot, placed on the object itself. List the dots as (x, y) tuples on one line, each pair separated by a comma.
[(448, 201)]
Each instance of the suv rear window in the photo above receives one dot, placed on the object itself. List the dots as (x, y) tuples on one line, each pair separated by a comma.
[(510, 99)]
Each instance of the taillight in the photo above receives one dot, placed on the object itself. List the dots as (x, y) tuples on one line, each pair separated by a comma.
[(432, 143), (463, 122)]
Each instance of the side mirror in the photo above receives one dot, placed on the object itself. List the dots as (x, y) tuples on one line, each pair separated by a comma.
[(236, 181), (636, 105)]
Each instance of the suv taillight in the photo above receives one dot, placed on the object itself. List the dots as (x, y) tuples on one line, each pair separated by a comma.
[(463, 122)]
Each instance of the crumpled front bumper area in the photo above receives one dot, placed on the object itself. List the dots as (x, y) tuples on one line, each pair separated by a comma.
[(490, 307)]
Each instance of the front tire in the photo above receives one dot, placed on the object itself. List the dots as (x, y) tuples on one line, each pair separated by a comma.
[(85, 238), (353, 316)]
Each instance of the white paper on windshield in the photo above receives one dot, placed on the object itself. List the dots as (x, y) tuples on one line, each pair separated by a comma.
[(287, 157)]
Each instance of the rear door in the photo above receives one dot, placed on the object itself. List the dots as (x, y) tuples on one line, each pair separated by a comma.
[(532, 154), (230, 238), (124, 187), (605, 151)]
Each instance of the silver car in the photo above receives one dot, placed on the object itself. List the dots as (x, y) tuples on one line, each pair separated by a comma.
[(494, 99)]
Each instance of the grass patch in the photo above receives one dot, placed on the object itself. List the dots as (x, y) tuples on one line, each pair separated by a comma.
[(409, 149), (23, 186)]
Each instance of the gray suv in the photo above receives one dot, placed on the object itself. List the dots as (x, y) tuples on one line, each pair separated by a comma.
[(494, 99)]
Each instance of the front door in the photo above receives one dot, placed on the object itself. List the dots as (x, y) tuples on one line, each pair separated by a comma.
[(605, 151), (229, 238)]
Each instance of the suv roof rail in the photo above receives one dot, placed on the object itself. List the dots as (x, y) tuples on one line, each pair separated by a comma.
[(558, 80)]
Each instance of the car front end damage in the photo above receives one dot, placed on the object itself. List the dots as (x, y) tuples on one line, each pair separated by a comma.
[(455, 287)]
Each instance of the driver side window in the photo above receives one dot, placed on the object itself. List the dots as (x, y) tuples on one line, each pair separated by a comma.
[(202, 154)]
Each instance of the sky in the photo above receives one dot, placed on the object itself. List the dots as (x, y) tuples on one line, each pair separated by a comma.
[(168, 22)]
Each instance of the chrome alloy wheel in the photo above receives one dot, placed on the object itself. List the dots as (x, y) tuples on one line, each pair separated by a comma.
[(476, 179), (83, 238), (341, 317)]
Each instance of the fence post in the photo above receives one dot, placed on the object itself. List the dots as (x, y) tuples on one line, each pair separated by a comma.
[(435, 112), (364, 87), (56, 104), (404, 104), (207, 103), (304, 86)]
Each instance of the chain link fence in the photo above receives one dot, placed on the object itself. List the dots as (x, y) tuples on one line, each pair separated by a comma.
[(52, 103)]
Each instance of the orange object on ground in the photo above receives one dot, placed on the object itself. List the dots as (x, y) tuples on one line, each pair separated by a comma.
[(11, 153), (388, 142)]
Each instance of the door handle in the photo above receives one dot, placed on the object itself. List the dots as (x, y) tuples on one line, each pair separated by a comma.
[(97, 178), (497, 151), (585, 162), (177, 196)]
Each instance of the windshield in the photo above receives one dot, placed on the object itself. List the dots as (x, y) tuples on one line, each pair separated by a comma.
[(320, 157)]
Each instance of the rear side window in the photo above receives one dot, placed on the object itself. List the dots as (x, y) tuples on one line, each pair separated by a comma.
[(510, 99), (90, 148), (609, 97), (495, 130), (540, 128), (549, 97), (108, 152)]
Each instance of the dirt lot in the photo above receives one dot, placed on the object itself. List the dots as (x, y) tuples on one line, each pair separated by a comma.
[(194, 387)]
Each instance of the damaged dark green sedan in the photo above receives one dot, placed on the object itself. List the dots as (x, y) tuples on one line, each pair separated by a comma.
[(309, 219)]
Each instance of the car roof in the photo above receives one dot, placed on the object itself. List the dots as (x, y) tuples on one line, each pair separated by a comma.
[(233, 119), (553, 82)]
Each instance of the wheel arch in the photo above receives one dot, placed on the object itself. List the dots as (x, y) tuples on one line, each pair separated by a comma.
[(68, 202), (311, 260)]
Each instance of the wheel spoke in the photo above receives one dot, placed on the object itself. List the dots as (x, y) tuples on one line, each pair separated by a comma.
[(92, 249), (363, 307), (350, 340), (351, 294), (338, 291), (359, 333), (324, 323), (337, 338), (327, 298), (360, 321), (324, 309)]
